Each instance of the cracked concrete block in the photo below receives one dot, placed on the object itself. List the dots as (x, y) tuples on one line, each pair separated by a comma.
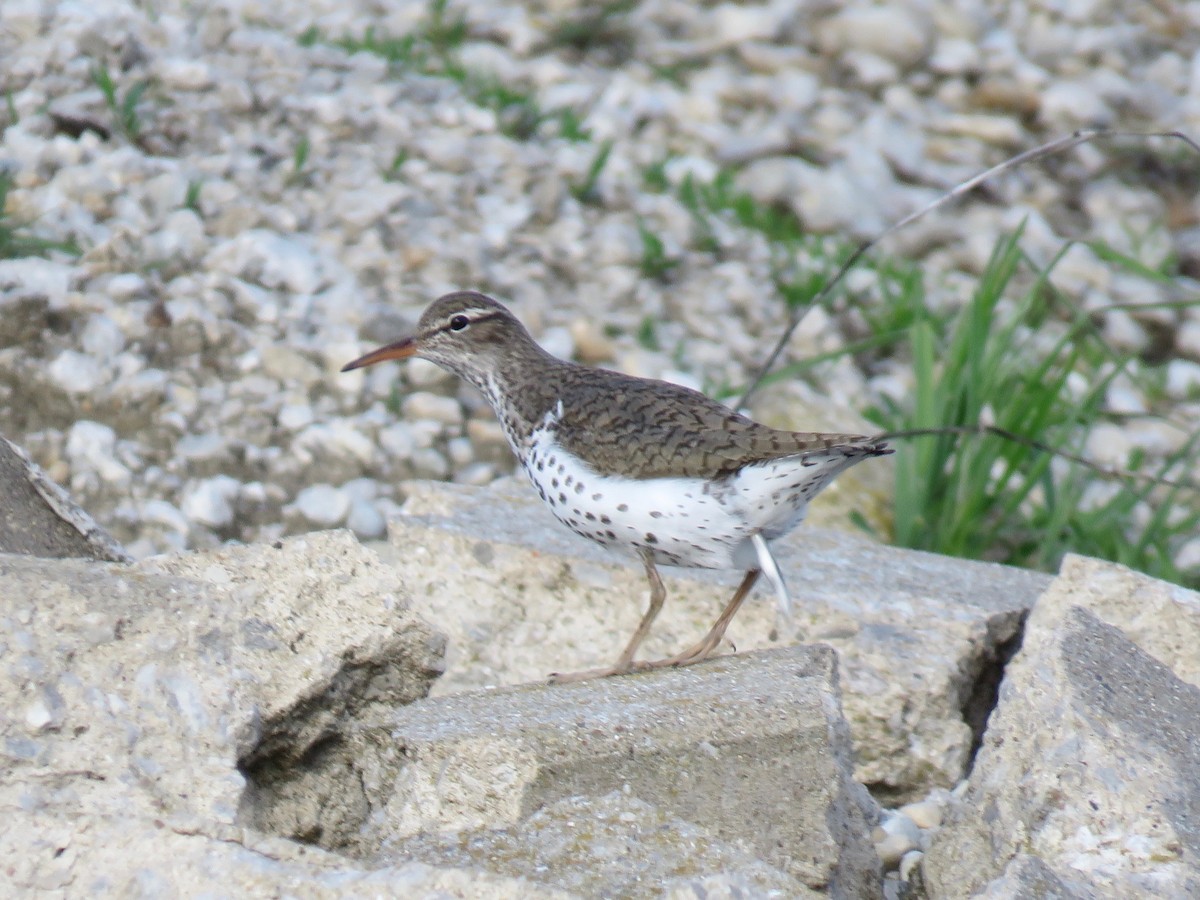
[(922, 638), (616, 845), (139, 693), (173, 856), (37, 518), (740, 767), (1027, 877), (1163, 619), (1090, 762), (325, 634)]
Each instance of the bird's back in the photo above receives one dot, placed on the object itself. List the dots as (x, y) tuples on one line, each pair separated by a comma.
[(652, 429)]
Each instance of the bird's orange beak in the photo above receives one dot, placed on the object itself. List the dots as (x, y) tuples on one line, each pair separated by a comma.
[(399, 350)]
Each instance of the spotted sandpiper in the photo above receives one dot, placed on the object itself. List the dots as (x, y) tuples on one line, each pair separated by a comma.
[(636, 464)]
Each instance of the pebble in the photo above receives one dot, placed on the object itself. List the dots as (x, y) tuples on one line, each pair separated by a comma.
[(203, 447), (433, 407), (954, 56), (288, 365), (894, 837), (479, 474), (1074, 104), (1123, 396), (338, 439), (365, 520), (182, 237), (901, 34), (486, 433), (185, 74), (1183, 379), (558, 342), (909, 864), (46, 712), (125, 286), (1123, 332), (323, 505), (1188, 558), (924, 814), (160, 512), (102, 338), (361, 489), (398, 441), (209, 502), (75, 373), (591, 345), (422, 373), (40, 277), (268, 259), (729, 25), (1187, 340), (460, 451), (429, 463), (998, 130), (91, 450), (295, 416)]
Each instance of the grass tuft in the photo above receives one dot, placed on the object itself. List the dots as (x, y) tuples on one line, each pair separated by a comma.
[(655, 262), (985, 497), (191, 199), (654, 177), (585, 191), (432, 50), (570, 126), (647, 334), (300, 155), (517, 112), (122, 106), (392, 172), (16, 241)]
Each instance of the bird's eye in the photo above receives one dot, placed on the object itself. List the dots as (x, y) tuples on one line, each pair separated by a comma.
[(458, 323)]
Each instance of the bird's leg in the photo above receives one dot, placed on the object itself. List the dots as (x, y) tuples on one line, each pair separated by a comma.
[(703, 649), (658, 594)]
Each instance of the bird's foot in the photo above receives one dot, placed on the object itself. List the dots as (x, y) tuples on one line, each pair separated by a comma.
[(691, 656), (694, 654), (589, 674)]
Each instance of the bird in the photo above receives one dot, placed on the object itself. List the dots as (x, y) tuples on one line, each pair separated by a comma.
[(636, 464)]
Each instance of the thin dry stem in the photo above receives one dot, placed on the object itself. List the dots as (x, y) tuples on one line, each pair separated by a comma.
[(1186, 484), (1048, 149)]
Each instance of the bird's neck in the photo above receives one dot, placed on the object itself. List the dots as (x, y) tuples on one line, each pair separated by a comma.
[(522, 388)]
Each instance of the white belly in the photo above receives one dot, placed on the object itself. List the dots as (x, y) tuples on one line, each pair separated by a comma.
[(681, 521)]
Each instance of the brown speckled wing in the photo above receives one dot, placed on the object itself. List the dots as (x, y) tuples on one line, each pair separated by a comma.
[(648, 429)]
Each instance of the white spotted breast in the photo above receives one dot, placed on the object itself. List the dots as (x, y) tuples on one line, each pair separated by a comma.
[(681, 521), (693, 522)]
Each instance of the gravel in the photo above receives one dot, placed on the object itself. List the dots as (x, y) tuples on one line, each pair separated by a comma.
[(276, 205)]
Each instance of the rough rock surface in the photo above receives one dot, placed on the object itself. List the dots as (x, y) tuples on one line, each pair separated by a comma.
[(921, 637), (1027, 877), (137, 694), (37, 518), (619, 845), (1090, 762), (254, 715), (750, 754), (748, 759), (171, 716)]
